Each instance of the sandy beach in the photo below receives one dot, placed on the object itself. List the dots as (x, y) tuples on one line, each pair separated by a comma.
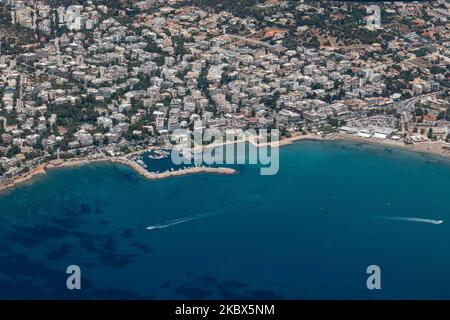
[(430, 147)]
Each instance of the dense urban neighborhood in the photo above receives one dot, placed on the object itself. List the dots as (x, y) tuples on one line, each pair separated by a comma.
[(88, 79)]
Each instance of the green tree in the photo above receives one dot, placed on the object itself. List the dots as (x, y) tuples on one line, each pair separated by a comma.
[(13, 150), (334, 122), (180, 50)]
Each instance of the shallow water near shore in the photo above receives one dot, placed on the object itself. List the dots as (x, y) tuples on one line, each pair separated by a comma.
[(309, 232)]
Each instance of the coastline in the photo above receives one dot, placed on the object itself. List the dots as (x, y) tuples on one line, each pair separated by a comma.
[(428, 147), (41, 170)]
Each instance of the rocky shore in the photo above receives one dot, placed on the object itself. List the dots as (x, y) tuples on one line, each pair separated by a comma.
[(41, 170)]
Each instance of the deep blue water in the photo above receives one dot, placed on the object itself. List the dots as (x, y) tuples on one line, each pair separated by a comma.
[(307, 233)]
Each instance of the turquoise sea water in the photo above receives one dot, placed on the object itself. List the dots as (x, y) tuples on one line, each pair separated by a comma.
[(307, 233)]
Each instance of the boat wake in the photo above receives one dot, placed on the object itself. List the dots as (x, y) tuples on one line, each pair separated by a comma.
[(421, 220), (175, 222)]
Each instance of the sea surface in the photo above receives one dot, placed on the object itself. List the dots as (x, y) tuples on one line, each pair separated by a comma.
[(309, 232)]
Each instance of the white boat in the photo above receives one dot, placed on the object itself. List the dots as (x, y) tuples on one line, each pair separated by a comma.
[(159, 154)]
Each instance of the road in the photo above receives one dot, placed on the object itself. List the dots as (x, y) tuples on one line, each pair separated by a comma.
[(406, 108)]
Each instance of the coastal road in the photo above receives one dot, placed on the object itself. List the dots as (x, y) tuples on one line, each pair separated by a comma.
[(408, 105), (406, 108)]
